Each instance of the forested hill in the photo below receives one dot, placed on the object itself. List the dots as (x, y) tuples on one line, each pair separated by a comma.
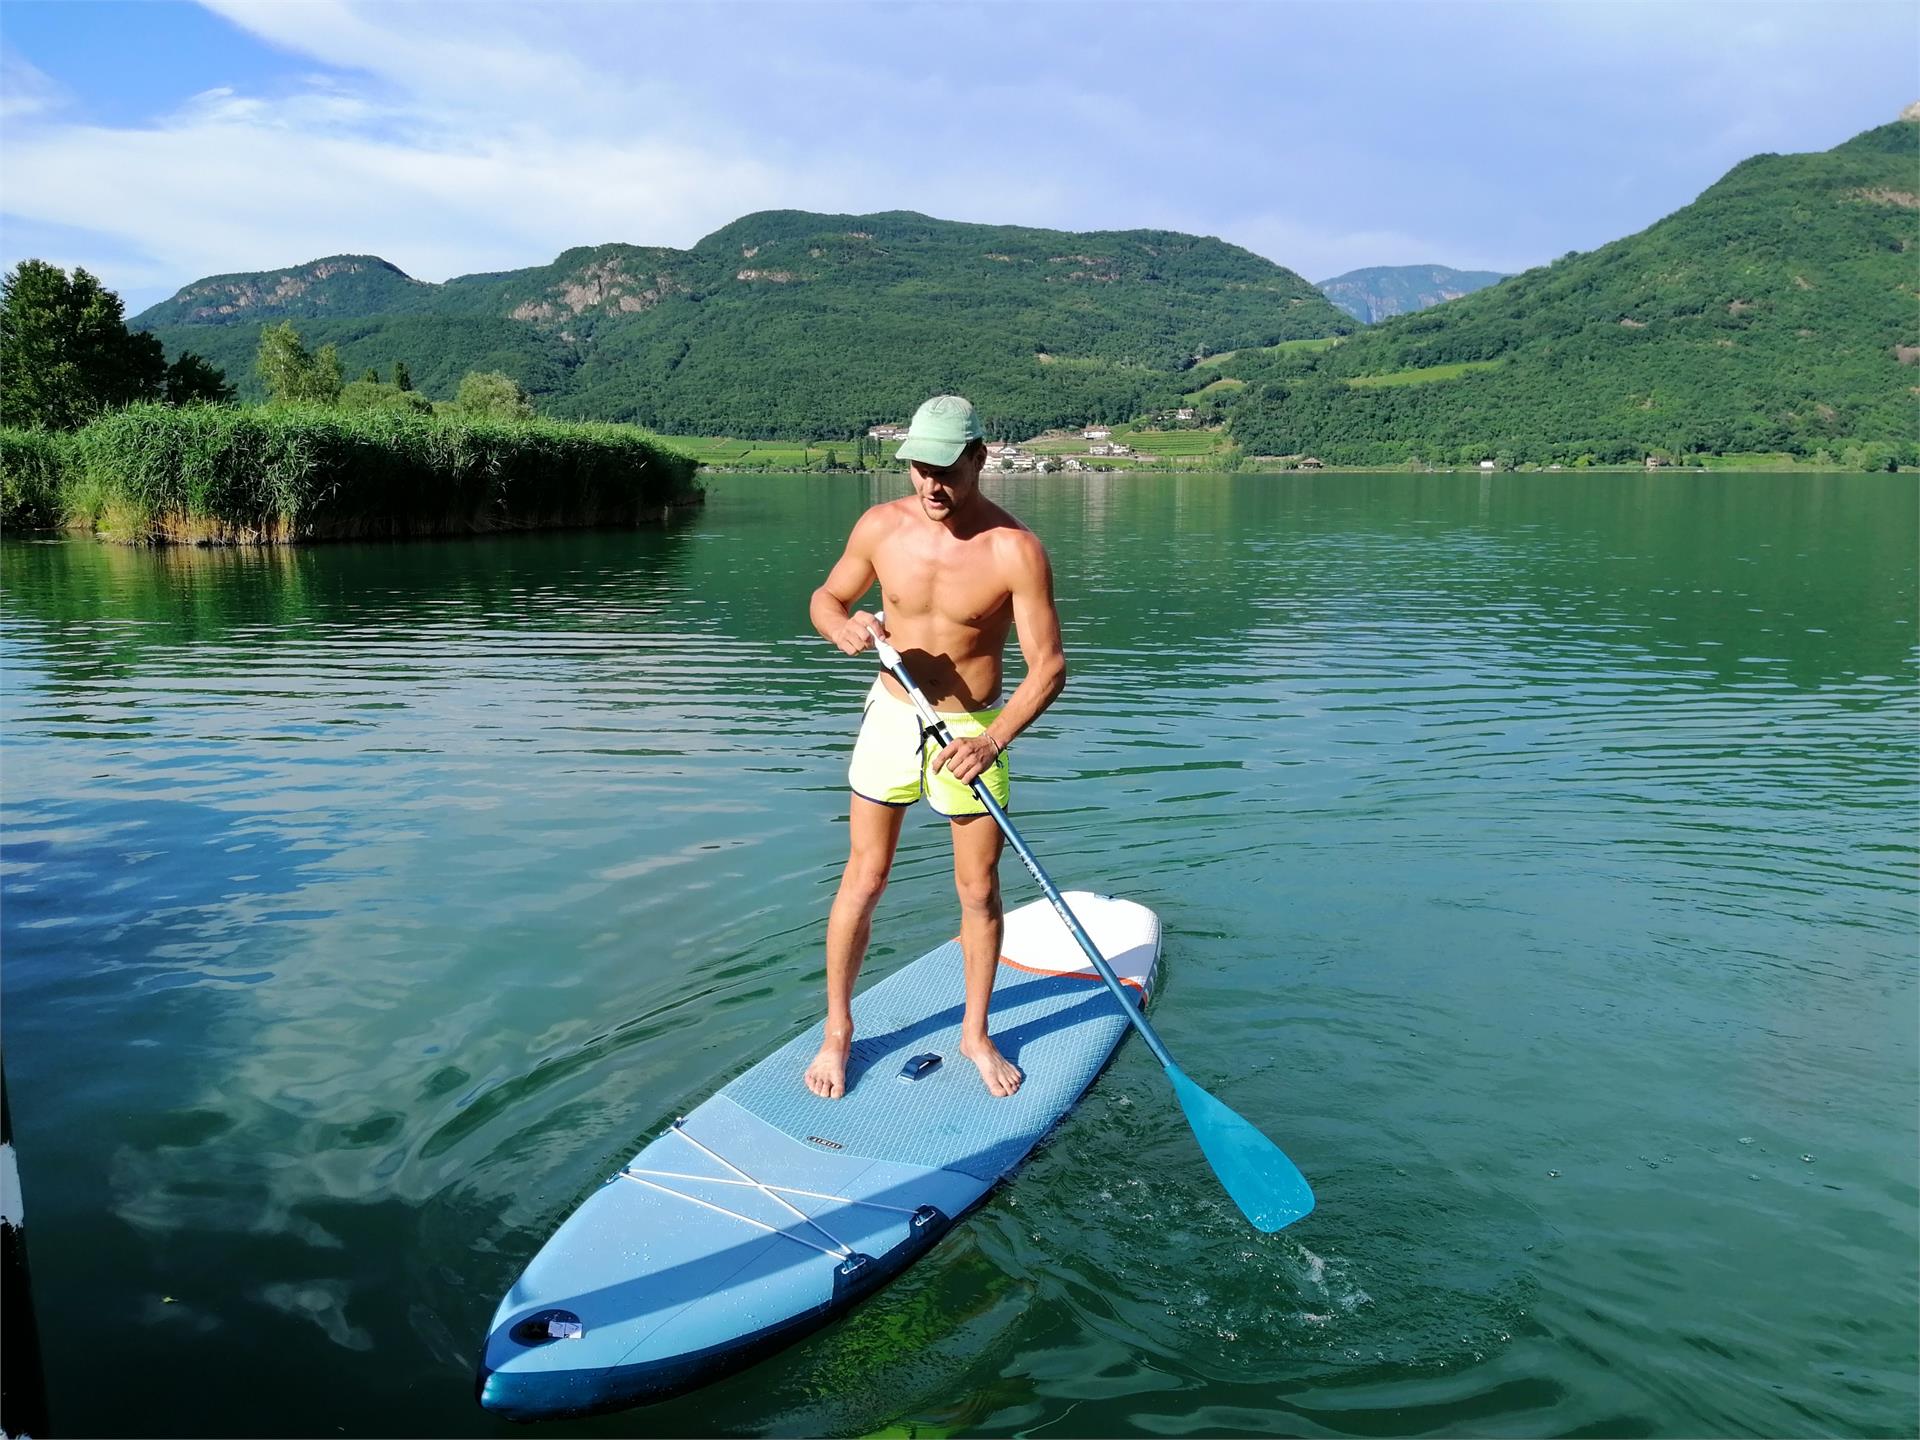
[(1380, 291), (344, 285), (791, 323), (1777, 312)]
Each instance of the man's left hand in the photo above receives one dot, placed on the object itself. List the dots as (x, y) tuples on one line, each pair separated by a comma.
[(968, 758)]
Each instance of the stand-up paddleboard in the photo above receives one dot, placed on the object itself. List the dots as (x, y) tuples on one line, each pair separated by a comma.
[(768, 1211)]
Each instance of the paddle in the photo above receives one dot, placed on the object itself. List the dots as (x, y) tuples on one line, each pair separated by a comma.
[(1264, 1183)]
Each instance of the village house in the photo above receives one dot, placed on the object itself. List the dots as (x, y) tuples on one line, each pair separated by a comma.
[(1487, 465), (1096, 432), (1185, 412), (1312, 462), (886, 432), (1100, 449)]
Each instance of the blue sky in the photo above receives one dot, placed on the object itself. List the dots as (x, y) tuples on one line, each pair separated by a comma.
[(158, 142)]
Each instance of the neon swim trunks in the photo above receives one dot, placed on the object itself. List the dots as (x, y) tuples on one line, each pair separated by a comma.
[(893, 758)]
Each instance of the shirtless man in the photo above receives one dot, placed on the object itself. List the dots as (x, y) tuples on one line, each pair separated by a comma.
[(956, 572)]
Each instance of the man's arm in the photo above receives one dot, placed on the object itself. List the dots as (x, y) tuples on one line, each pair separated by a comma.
[(1030, 577), (851, 577)]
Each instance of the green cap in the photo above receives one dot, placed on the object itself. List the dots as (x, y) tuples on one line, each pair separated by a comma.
[(940, 430)]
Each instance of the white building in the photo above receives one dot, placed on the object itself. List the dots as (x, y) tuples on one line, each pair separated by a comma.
[(1185, 412), (1486, 465), (1096, 432)]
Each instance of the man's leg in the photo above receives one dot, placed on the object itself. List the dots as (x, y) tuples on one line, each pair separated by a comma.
[(976, 875), (875, 830)]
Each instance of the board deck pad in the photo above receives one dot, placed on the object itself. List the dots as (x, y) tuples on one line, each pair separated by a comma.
[(680, 1269)]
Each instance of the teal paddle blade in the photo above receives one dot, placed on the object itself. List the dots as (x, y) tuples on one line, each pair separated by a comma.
[(1264, 1183)]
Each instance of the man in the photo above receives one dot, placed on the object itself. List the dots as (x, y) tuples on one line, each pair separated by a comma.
[(956, 572)]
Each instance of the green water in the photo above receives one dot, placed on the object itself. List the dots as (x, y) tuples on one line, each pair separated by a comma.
[(1536, 857)]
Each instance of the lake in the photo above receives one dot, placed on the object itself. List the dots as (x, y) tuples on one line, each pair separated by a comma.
[(1536, 857)]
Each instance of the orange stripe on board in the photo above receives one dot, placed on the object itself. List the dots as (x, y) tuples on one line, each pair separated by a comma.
[(1088, 974), (1092, 975)]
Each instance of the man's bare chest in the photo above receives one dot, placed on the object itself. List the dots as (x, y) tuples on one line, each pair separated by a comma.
[(961, 585)]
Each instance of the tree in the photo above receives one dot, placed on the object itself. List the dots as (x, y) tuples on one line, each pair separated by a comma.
[(190, 380), (292, 374), (65, 351), (328, 375), (491, 395), (370, 376), (402, 378), (373, 395)]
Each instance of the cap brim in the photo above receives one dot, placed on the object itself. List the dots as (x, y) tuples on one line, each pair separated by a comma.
[(937, 453)]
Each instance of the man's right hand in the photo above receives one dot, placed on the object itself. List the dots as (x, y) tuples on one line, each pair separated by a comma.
[(857, 634)]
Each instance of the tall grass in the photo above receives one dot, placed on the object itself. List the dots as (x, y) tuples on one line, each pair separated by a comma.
[(34, 468), (152, 472)]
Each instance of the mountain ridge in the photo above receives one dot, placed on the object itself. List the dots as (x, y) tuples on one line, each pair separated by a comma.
[(1775, 312), (1378, 292), (860, 316)]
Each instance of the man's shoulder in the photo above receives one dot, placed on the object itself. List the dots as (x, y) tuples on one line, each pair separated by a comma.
[(1017, 551), (1012, 538), (877, 522)]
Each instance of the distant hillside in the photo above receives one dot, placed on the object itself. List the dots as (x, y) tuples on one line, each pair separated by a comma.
[(1375, 293), (791, 323), (1775, 313), (336, 285)]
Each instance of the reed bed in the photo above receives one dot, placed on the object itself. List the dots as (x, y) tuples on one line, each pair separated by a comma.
[(34, 466), (216, 474)]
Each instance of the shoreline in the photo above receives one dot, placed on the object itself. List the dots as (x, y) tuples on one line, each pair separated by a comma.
[(1565, 470)]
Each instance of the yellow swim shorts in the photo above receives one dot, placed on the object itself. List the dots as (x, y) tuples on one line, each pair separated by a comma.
[(893, 758)]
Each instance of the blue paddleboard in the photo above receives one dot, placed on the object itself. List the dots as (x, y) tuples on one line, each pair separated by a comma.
[(768, 1211)]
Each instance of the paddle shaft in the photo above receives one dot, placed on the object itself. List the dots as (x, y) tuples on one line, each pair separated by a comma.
[(890, 658)]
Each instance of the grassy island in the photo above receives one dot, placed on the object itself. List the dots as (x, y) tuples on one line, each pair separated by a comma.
[(224, 475)]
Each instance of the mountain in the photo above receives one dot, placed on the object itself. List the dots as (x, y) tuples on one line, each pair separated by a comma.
[(336, 285), (1381, 290), (1774, 313), (791, 323)]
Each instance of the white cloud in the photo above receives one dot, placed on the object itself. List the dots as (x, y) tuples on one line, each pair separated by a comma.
[(448, 156), (453, 138), (25, 90), (237, 183), (486, 157)]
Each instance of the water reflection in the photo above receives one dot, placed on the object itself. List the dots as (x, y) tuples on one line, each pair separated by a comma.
[(1536, 857)]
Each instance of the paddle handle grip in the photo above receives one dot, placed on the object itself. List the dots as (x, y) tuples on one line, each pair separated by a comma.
[(890, 658)]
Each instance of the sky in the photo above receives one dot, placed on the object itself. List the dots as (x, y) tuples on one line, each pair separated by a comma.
[(158, 141)]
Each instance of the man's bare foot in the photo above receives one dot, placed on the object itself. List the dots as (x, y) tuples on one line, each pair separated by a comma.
[(1001, 1074), (827, 1075)]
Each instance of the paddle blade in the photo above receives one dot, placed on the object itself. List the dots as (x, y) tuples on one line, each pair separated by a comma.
[(1264, 1183)]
